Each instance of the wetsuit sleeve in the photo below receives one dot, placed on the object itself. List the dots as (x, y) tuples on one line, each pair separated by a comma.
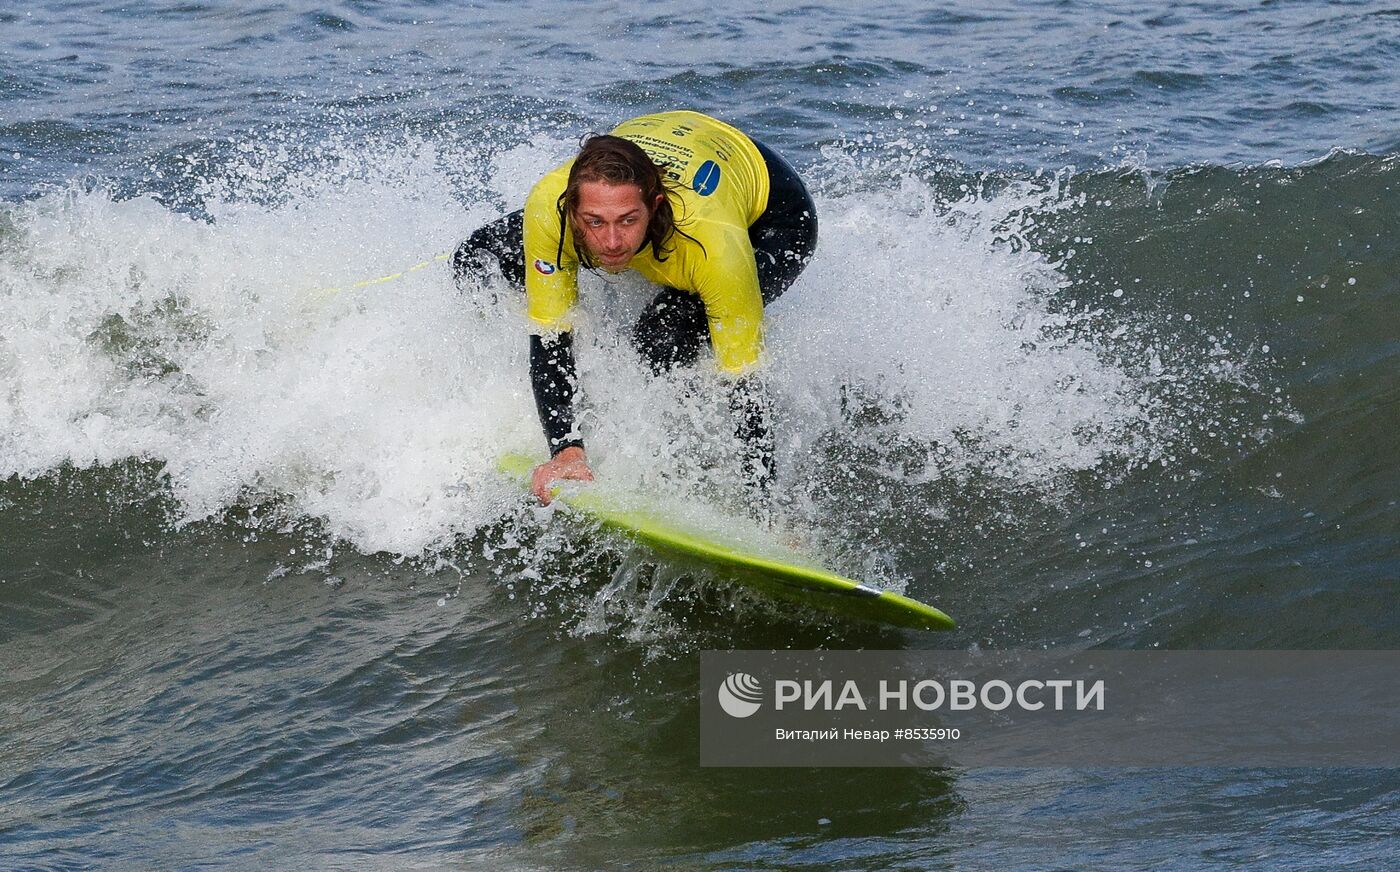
[(553, 375), (749, 403), (727, 281)]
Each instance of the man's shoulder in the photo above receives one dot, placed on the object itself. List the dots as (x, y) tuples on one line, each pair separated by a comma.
[(551, 184)]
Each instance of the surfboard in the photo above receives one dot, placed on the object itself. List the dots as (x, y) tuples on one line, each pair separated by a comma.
[(768, 568)]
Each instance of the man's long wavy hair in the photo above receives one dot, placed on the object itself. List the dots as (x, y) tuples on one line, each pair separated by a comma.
[(617, 161)]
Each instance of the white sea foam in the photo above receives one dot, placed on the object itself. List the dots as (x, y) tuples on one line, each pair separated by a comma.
[(208, 345)]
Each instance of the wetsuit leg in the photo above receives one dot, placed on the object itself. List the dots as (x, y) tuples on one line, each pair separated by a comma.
[(501, 242), (784, 237), (673, 328)]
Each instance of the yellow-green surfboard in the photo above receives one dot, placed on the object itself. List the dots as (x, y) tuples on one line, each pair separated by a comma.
[(784, 576)]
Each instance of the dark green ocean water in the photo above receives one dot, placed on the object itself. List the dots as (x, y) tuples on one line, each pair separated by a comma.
[(1099, 350)]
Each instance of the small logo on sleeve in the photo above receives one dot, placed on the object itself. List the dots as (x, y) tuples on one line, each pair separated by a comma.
[(544, 267), (706, 179)]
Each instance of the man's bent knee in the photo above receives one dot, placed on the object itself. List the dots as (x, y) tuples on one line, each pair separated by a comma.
[(498, 245)]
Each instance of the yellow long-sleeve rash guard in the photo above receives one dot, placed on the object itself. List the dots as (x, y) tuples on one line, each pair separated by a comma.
[(721, 189)]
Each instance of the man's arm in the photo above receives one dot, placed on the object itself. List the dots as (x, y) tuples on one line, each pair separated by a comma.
[(553, 375), (551, 288), (728, 286), (752, 411)]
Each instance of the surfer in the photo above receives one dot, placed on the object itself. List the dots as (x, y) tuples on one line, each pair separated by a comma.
[(716, 218)]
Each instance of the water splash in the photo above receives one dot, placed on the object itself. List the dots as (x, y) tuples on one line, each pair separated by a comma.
[(927, 342)]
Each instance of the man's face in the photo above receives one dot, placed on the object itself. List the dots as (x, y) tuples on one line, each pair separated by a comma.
[(613, 220)]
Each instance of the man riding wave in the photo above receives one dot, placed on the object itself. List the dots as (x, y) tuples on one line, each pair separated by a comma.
[(716, 218)]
